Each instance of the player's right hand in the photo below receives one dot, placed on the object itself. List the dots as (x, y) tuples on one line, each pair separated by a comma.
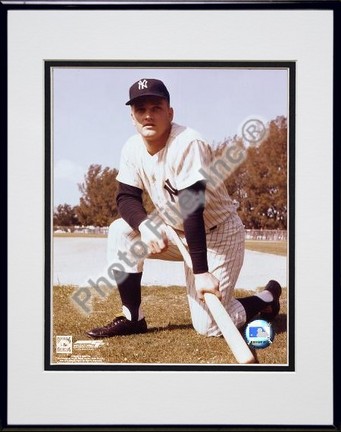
[(155, 244), (206, 283)]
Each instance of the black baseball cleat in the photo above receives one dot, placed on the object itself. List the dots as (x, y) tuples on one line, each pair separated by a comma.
[(120, 326), (272, 309)]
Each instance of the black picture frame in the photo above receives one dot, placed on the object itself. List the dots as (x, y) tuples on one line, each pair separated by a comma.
[(176, 65)]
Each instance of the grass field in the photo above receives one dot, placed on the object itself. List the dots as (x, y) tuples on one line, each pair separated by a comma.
[(170, 338), (271, 247), (77, 235)]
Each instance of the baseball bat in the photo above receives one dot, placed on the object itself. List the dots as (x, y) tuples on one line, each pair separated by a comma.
[(231, 334)]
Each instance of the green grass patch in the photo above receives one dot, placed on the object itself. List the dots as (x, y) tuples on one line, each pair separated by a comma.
[(86, 235), (267, 246), (170, 337)]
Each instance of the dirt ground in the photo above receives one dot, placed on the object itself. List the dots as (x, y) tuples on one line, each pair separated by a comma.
[(76, 260)]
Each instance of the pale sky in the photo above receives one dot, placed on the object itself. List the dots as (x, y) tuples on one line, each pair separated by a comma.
[(91, 122)]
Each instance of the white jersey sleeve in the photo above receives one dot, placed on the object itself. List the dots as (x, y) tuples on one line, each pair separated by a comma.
[(191, 163)]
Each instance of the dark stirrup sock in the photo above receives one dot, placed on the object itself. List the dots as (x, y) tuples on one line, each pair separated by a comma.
[(129, 287), (252, 306)]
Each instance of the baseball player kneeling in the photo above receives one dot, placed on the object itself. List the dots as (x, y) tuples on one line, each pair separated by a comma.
[(171, 163)]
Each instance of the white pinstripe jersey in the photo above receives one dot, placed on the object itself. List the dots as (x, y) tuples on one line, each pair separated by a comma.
[(185, 160)]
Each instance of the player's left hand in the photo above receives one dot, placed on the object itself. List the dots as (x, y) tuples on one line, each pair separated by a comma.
[(206, 282)]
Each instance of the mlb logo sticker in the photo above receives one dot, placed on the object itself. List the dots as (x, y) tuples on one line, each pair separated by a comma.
[(259, 334)]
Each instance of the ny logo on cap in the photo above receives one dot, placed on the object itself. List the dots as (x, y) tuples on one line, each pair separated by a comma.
[(142, 84)]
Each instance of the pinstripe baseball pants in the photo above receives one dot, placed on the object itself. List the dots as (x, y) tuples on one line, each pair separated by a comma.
[(225, 255)]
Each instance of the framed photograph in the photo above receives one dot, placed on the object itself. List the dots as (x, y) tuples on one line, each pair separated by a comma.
[(252, 86)]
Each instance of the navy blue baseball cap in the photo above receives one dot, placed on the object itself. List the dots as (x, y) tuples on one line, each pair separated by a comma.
[(147, 87)]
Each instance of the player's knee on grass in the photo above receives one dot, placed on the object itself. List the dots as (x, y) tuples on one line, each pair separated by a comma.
[(207, 328)]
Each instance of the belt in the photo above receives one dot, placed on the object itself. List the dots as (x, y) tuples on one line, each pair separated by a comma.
[(207, 231)]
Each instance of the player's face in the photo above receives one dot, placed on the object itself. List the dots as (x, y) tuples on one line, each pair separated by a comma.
[(152, 117)]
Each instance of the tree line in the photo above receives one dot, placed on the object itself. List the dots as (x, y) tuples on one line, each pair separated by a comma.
[(258, 184)]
